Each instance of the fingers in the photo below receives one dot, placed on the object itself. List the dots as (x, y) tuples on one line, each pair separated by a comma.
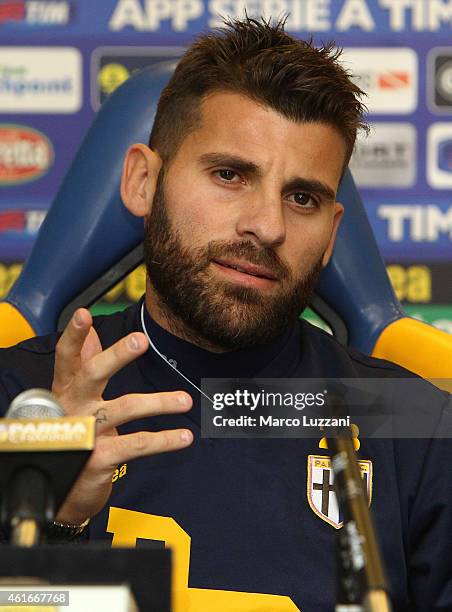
[(97, 370), (120, 449), (81, 363), (69, 347), (127, 408)]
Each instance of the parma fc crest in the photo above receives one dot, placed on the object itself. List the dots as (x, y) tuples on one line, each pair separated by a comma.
[(320, 489)]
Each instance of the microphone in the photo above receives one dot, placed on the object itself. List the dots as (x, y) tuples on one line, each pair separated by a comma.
[(43, 453), (361, 576), (35, 404)]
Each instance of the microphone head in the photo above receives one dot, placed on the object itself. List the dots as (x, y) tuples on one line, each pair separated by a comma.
[(35, 404)]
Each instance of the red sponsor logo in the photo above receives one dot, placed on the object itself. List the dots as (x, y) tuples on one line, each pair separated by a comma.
[(12, 220), (21, 220), (12, 11), (25, 154), (394, 79)]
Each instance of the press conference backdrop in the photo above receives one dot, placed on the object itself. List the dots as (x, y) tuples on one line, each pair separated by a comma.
[(60, 60)]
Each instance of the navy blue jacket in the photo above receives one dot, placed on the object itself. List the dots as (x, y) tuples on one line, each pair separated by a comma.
[(241, 513)]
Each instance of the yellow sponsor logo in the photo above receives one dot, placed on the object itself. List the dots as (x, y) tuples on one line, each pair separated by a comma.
[(47, 434), (120, 472), (412, 283), (112, 76)]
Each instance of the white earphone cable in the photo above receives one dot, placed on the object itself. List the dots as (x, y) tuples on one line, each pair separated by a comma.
[(155, 349)]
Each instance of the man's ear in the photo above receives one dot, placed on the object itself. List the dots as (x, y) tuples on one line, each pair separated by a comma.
[(139, 178), (337, 216)]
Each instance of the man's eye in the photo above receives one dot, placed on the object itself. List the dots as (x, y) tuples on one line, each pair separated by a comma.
[(303, 199), (227, 175)]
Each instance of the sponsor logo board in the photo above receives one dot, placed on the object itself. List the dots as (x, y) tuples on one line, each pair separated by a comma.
[(111, 66), (386, 157), (18, 231), (383, 17), (34, 12), (438, 316), (40, 80), (439, 80), (25, 154), (416, 222), (149, 16), (419, 283), (9, 273), (28, 221), (388, 75), (439, 155), (410, 230)]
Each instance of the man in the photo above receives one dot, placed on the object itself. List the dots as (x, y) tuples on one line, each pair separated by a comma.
[(237, 189)]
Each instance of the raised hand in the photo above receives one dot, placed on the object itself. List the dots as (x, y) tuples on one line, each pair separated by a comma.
[(82, 370)]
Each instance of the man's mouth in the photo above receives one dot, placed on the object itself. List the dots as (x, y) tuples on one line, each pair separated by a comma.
[(242, 271)]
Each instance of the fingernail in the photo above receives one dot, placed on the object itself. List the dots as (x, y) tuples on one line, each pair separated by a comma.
[(78, 320), (183, 400), (185, 436), (133, 343)]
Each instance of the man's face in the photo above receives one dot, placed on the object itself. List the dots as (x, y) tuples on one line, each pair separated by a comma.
[(243, 219)]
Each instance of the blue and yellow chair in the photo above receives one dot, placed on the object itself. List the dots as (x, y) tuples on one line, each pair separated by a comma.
[(88, 231)]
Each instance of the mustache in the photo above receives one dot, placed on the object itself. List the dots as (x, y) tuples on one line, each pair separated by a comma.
[(248, 251)]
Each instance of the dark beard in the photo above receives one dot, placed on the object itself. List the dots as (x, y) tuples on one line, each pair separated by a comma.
[(225, 315)]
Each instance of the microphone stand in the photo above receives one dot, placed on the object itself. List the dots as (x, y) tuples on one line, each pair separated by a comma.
[(42, 452), (30, 506), (362, 584)]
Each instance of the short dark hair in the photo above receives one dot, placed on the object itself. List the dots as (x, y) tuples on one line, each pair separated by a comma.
[(261, 61)]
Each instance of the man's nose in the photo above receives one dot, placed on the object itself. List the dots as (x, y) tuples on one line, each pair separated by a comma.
[(262, 220)]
